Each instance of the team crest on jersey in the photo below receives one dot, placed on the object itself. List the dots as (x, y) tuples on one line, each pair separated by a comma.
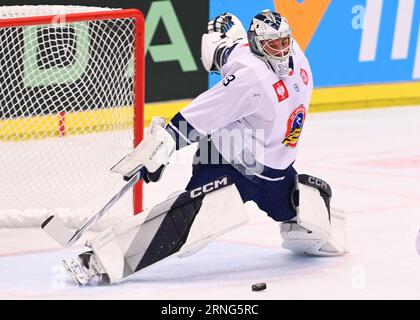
[(304, 76), (281, 91), (294, 127)]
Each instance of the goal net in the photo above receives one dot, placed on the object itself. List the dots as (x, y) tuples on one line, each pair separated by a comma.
[(71, 106)]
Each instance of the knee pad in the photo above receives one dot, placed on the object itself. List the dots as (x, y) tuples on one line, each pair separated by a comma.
[(316, 230)]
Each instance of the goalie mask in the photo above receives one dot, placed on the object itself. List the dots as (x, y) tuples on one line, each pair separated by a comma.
[(270, 37)]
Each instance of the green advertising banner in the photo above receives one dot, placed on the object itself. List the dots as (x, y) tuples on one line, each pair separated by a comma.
[(172, 45)]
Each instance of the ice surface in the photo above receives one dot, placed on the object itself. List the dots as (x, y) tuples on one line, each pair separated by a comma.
[(371, 158)]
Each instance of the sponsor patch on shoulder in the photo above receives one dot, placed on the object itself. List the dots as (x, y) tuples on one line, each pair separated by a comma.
[(281, 91), (294, 127), (304, 76)]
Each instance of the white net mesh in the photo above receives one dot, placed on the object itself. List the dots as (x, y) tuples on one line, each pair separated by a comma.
[(66, 115), (7, 12)]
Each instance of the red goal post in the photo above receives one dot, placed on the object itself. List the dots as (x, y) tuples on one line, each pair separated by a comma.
[(75, 92)]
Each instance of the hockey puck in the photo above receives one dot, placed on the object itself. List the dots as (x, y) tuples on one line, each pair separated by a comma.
[(259, 286)]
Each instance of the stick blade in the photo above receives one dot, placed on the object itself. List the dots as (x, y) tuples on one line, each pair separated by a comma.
[(57, 230)]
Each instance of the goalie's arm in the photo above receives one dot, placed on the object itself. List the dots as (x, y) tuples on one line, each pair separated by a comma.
[(224, 33), (153, 153), (182, 131), (236, 96), (233, 98)]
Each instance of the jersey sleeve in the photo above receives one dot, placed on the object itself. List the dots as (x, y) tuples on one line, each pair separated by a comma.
[(233, 98)]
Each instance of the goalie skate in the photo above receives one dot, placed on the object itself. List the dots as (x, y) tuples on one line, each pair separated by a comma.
[(83, 272)]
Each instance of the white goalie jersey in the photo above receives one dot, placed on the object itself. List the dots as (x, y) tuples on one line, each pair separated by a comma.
[(253, 117)]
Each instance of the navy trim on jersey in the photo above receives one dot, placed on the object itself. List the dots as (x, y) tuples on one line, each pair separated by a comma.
[(245, 163), (182, 131), (266, 173), (291, 64), (185, 134), (226, 54)]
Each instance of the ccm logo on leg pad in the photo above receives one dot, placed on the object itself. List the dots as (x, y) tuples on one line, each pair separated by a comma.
[(318, 182), (315, 183), (211, 186)]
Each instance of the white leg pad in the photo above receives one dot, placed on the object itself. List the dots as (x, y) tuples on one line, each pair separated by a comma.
[(220, 213), (108, 254), (314, 231), (115, 248)]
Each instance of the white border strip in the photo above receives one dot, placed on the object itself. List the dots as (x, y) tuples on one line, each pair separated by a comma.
[(416, 71), (371, 30), (402, 32)]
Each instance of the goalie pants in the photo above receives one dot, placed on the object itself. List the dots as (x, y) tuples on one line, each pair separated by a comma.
[(273, 197)]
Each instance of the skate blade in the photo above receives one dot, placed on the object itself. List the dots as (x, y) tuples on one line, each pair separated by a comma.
[(70, 271)]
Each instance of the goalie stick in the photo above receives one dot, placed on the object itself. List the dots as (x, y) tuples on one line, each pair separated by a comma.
[(65, 236)]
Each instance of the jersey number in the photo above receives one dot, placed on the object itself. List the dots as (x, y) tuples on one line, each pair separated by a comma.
[(228, 80)]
